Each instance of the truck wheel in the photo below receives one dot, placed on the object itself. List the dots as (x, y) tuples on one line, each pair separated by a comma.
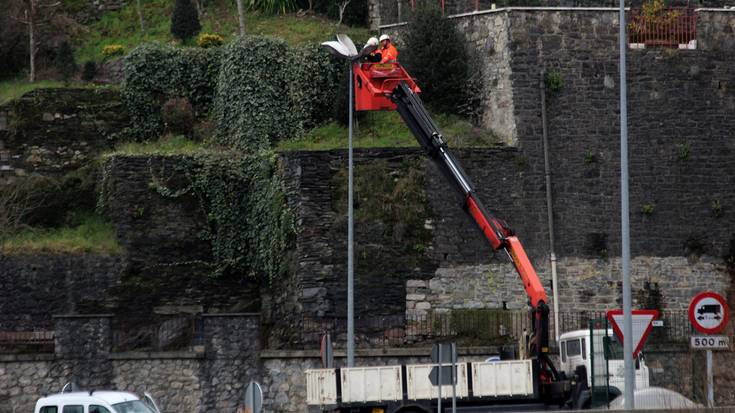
[(411, 409)]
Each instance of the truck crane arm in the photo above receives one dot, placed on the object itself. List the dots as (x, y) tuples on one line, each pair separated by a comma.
[(497, 232)]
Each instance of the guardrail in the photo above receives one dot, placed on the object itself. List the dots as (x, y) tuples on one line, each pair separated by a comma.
[(469, 327)]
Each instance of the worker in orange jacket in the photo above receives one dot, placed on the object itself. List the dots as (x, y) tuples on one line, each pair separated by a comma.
[(388, 52)]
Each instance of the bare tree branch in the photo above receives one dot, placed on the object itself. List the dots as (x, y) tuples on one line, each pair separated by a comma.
[(342, 7)]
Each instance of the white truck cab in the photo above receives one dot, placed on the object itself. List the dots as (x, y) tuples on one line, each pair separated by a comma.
[(575, 350), (95, 402)]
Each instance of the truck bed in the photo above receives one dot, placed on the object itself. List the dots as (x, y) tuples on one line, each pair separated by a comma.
[(364, 385)]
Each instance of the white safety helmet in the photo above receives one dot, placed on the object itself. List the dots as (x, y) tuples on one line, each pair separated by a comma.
[(384, 37), (373, 41)]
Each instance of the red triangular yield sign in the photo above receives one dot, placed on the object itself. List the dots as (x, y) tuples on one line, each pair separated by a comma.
[(642, 326)]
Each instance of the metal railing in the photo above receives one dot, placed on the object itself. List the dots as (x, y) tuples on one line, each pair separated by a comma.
[(469, 327), (398, 11), (155, 333), (669, 27)]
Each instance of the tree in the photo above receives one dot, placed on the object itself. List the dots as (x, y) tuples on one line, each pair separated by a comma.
[(342, 7), (139, 7), (184, 20), (35, 14), (433, 51), (64, 61), (241, 16)]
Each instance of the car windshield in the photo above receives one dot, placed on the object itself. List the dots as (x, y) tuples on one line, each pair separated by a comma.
[(134, 406)]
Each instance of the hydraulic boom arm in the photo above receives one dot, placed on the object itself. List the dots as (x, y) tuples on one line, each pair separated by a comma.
[(500, 236)]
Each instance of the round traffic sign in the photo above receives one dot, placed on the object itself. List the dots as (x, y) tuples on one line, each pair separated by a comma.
[(708, 312)]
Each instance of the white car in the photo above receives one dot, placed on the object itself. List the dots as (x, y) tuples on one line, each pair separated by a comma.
[(95, 402), (655, 398)]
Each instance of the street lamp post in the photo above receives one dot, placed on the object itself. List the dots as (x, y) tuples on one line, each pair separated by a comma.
[(345, 49)]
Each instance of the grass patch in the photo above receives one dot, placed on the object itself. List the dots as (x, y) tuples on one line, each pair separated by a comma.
[(122, 27), (92, 234), (387, 130), (13, 89), (167, 145)]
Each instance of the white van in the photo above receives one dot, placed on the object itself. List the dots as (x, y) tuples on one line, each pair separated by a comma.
[(575, 350), (95, 402)]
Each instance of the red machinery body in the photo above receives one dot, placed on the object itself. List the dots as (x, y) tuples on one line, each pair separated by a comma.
[(375, 82)]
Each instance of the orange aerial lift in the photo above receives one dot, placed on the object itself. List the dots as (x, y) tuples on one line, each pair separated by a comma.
[(387, 86)]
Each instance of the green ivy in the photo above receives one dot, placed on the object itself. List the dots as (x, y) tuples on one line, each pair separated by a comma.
[(259, 89), (252, 106), (315, 75), (154, 73), (250, 227)]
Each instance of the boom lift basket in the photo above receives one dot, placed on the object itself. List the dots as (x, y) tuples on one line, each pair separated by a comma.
[(374, 82)]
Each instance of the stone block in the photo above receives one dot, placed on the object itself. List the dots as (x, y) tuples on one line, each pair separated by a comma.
[(415, 284)]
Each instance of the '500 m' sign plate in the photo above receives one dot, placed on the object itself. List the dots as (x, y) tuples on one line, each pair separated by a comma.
[(710, 342)]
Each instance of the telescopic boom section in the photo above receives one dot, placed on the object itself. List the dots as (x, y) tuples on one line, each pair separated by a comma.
[(412, 111)]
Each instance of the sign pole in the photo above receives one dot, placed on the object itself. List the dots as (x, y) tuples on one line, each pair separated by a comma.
[(710, 381), (439, 404), (625, 220), (454, 379)]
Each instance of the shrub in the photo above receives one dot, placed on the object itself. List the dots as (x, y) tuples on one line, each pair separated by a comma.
[(64, 61), (154, 73), (89, 71), (184, 20), (648, 208), (206, 40), (554, 81), (433, 52), (52, 199), (178, 116), (252, 107), (113, 50)]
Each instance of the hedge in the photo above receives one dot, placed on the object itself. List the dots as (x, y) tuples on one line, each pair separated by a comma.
[(258, 89), (314, 86), (153, 73), (268, 92)]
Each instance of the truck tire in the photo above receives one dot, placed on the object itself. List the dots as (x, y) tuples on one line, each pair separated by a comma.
[(411, 409)]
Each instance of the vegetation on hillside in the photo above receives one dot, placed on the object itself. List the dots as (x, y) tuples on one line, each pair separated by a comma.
[(122, 27), (91, 234), (220, 103)]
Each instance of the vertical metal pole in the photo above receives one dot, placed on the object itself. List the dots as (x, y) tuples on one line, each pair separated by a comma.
[(549, 207), (625, 220), (710, 381), (350, 260), (454, 378), (439, 381)]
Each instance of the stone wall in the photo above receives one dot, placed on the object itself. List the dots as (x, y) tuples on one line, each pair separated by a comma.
[(174, 380), (166, 257), (451, 262), (211, 378), (33, 287), (584, 284), (51, 131)]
